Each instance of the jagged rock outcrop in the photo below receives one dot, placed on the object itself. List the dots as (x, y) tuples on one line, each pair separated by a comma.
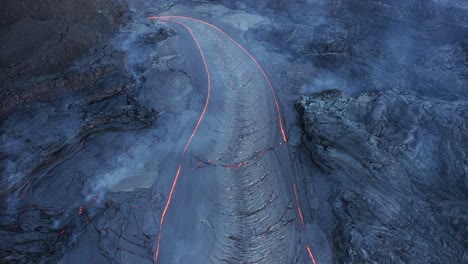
[(397, 168)]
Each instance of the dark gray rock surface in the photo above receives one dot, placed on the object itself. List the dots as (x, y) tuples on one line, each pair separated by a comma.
[(63, 83), (95, 99), (396, 168), (60, 83), (99, 15)]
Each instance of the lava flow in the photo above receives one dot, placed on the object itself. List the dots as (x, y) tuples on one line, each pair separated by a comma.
[(176, 178), (235, 165)]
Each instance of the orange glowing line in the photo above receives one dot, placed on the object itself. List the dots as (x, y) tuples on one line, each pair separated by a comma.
[(298, 205), (248, 54), (168, 202), (309, 251), (163, 215), (208, 84)]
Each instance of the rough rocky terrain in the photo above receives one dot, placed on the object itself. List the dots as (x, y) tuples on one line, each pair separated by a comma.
[(96, 102), (395, 170), (63, 82)]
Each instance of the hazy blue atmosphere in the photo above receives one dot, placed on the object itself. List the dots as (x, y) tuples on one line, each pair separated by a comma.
[(270, 131)]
